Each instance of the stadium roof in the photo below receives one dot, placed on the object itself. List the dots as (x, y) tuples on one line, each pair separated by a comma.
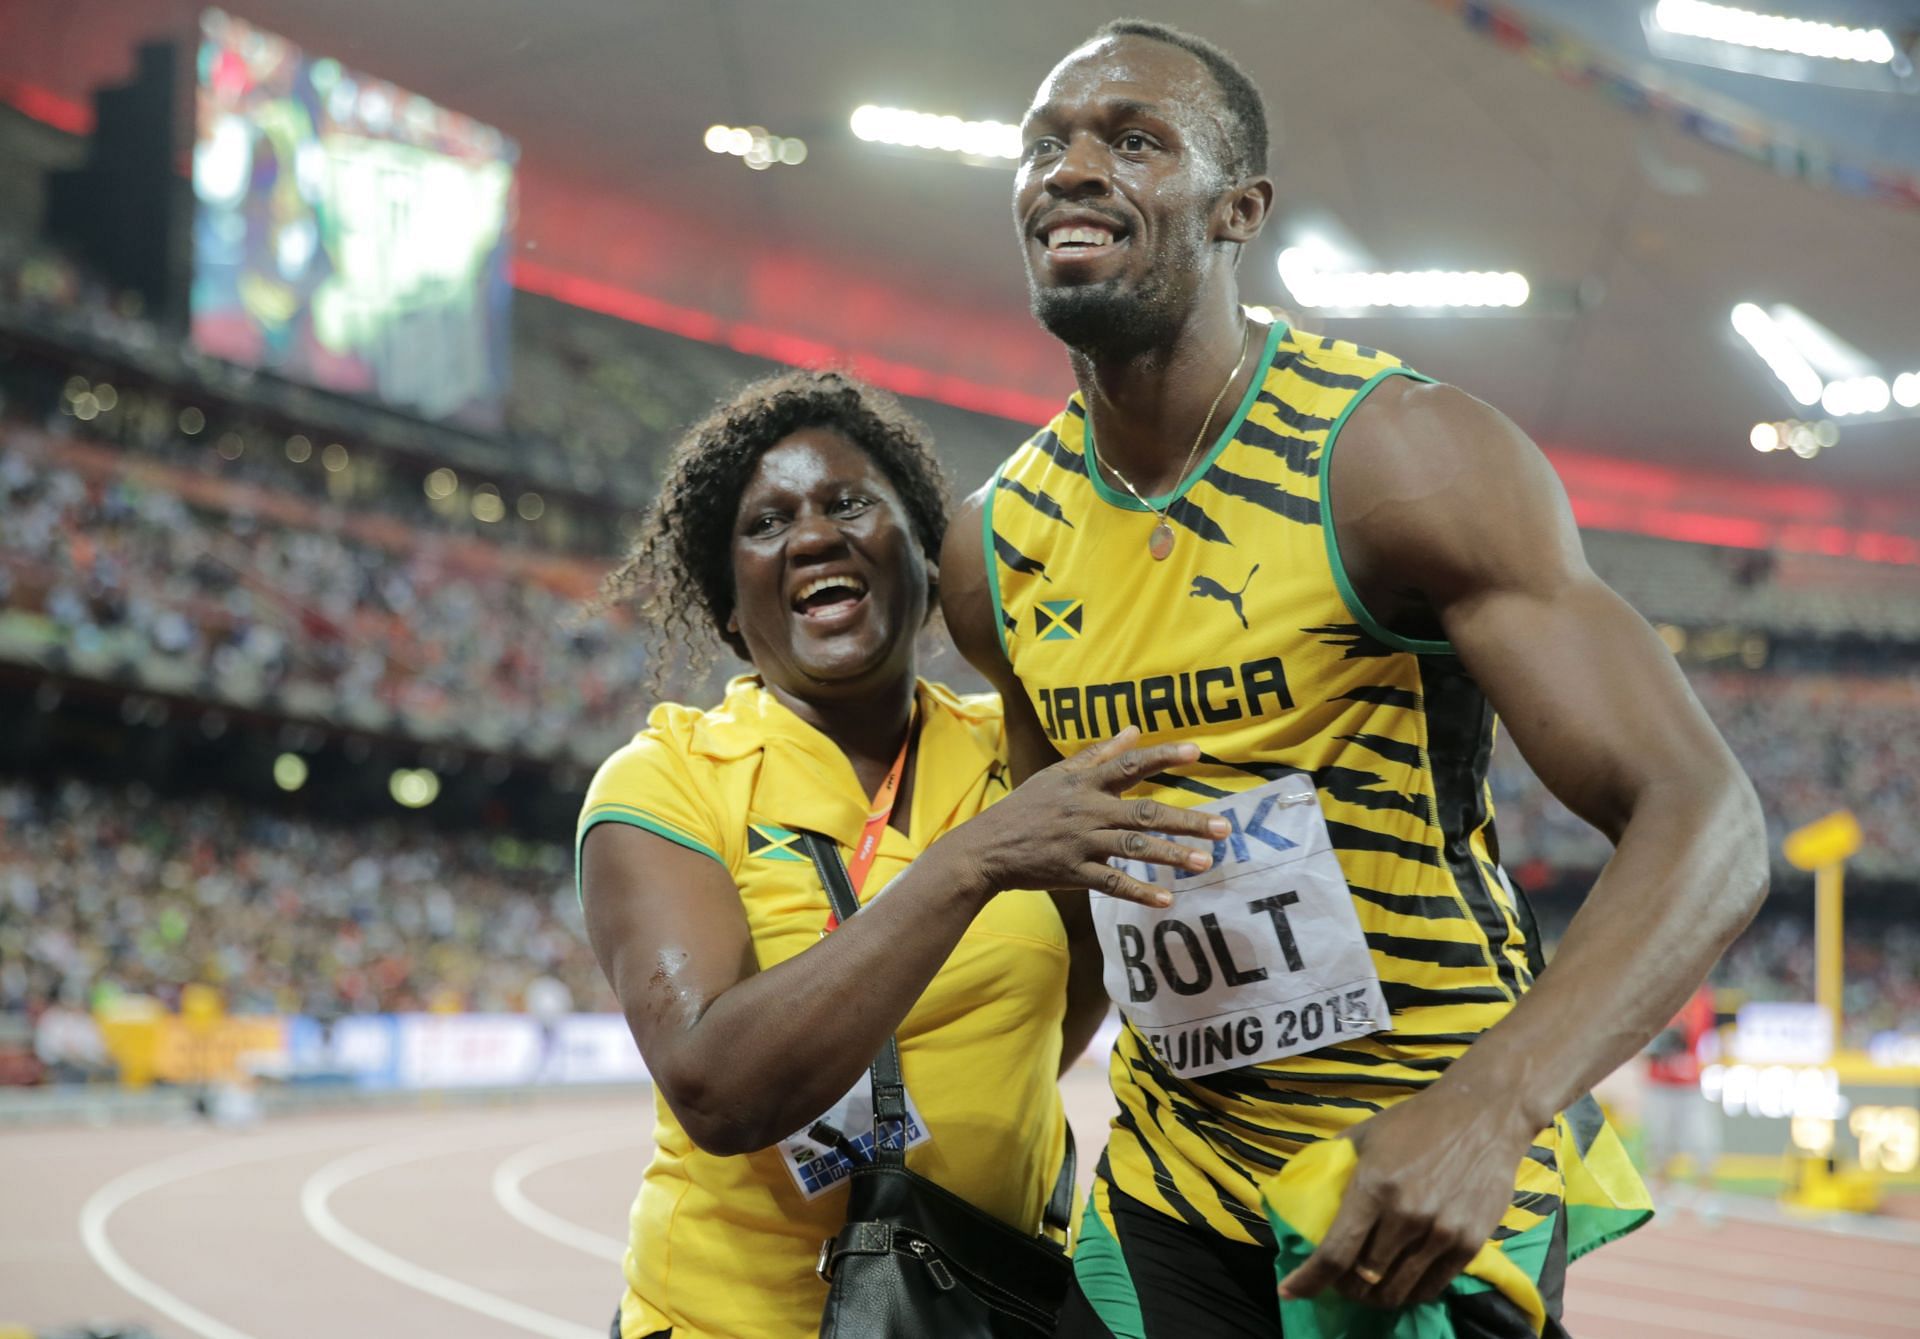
[(1428, 140)]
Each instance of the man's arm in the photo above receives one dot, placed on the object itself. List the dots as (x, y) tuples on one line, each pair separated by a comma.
[(1446, 511), (967, 602), (972, 621)]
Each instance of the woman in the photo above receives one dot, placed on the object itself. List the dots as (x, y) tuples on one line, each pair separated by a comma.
[(799, 522)]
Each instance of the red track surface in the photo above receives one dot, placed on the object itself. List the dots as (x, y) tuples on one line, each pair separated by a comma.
[(496, 1223)]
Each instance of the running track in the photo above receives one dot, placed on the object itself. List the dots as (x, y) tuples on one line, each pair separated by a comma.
[(503, 1222)]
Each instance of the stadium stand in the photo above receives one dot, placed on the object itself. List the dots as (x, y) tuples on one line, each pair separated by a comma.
[(106, 892), (228, 592), (249, 596), (169, 527), (1811, 742), (1694, 585), (303, 675)]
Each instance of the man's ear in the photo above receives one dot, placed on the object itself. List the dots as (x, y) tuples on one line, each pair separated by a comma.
[(1243, 211)]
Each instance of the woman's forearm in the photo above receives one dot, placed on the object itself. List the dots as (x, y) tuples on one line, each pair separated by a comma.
[(776, 1049), (771, 1050)]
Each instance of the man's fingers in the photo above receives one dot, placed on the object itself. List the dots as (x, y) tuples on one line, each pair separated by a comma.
[(1394, 1286), (1377, 1265), (1335, 1255), (1111, 881), (1447, 1267)]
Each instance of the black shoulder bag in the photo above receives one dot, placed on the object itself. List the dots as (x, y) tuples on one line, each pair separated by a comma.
[(915, 1260)]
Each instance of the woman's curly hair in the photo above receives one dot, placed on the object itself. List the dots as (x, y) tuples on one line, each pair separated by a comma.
[(678, 575)]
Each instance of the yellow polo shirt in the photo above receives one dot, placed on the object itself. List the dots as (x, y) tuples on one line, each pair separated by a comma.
[(724, 1247)]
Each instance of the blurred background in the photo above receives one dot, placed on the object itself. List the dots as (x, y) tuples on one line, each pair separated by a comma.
[(341, 341)]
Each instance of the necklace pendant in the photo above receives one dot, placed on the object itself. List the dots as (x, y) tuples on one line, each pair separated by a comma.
[(1160, 542)]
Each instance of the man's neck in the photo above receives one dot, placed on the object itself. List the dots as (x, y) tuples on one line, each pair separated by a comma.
[(1146, 407)]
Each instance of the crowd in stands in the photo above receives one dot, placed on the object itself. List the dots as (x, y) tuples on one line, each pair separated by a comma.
[(115, 573), (41, 280), (1812, 743), (193, 431), (1700, 585), (112, 892), (593, 401), (1774, 960), (202, 555)]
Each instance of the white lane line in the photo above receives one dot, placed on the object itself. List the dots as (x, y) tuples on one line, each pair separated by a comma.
[(513, 1172), (100, 1207), (320, 1188)]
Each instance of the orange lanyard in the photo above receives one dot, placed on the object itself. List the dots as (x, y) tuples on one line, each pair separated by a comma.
[(877, 819)]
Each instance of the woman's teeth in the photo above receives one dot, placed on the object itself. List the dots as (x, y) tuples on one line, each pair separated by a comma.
[(847, 589)]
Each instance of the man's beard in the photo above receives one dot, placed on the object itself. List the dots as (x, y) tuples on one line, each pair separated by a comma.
[(1104, 320), (1110, 319)]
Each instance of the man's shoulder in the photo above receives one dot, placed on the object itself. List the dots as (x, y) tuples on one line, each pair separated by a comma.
[(1431, 419), (1429, 480), (1344, 356)]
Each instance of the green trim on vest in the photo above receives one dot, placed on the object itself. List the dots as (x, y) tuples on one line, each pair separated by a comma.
[(1349, 596), (992, 560), (1126, 501)]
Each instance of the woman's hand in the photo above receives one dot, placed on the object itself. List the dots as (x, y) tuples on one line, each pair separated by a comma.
[(1059, 828)]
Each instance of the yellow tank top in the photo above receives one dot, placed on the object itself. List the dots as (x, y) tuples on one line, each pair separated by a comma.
[(725, 1247), (1249, 641)]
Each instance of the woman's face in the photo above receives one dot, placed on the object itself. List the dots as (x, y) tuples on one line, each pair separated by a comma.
[(830, 586)]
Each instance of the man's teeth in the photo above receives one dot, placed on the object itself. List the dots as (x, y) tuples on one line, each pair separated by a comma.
[(853, 585), (1078, 236)]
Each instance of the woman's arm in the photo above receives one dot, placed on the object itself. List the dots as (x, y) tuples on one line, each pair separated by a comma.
[(745, 1057)]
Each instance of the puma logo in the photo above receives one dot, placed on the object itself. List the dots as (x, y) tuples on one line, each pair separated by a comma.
[(1205, 587)]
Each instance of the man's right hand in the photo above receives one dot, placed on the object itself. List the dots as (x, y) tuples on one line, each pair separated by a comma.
[(1059, 828)]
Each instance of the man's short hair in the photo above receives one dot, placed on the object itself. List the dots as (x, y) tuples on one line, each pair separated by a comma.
[(1246, 111)]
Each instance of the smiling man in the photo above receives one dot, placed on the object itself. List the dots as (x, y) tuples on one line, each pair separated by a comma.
[(1350, 1005)]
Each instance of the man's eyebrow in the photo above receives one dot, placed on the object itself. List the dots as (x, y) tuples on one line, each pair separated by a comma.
[(1044, 112), (1135, 107), (1120, 107)]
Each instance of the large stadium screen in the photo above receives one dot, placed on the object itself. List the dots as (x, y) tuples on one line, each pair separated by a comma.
[(348, 234)]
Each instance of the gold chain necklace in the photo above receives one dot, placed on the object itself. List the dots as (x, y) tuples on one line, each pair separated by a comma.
[(1160, 542)]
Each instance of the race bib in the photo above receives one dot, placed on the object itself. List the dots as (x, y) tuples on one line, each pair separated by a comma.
[(840, 1139), (1259, 957)]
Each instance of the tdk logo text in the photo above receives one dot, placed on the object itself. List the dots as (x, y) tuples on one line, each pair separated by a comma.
[(1248, 841)]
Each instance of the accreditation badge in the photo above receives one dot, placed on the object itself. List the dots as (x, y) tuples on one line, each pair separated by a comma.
[(840, 1139), (1259, 957)]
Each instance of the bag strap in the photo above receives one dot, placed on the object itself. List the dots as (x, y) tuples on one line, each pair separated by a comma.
[(889, 1090), (1059, 1210)]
